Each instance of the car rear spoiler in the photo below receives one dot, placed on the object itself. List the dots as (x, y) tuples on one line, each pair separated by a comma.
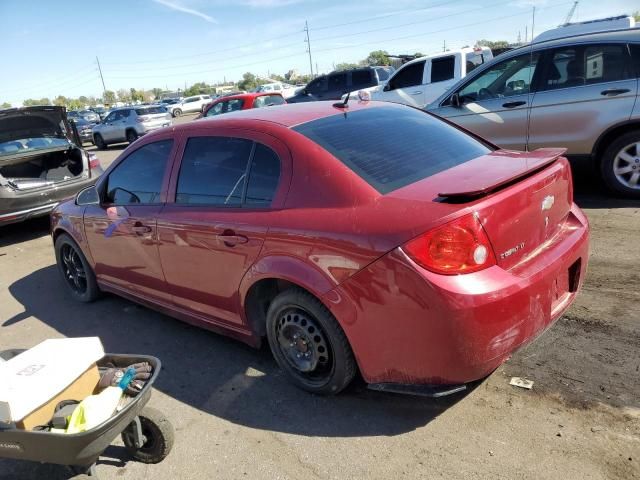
[(475, 178)]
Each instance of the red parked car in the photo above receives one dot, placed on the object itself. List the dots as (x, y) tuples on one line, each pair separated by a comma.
[(374, 238), (241, 101)]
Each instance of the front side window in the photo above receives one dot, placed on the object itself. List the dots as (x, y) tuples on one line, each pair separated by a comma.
[(409, 76), (360, 78), (316, 86), (213, 171), (443, 69), (138, 178), (505, 79), (111, 117), (235, 105), (586, 65)]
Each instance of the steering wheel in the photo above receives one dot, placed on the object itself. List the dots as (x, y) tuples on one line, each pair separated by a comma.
[(484, 94)]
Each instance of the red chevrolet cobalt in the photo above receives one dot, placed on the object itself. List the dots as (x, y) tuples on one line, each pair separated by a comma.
[(372, 238)]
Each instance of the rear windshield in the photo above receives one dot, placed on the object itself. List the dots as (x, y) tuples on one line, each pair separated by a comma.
[(391, 147), (151, 110)]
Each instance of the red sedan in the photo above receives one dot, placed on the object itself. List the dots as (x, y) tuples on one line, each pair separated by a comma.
[(241, 101), (373, 238)]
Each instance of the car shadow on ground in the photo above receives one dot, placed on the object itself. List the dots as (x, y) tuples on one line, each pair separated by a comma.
[(590, 192), (24, 231), (218, 375)]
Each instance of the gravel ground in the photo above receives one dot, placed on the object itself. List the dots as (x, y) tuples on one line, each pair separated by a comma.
[(237, 417)]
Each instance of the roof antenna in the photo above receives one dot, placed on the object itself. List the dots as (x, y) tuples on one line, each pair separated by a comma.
[(344, 104)]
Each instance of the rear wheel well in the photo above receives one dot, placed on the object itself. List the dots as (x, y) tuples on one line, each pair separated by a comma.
[(258, 299), (611, 136)]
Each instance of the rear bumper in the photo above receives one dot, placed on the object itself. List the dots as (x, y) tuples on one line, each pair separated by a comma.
[(407, 325), (20, 206)]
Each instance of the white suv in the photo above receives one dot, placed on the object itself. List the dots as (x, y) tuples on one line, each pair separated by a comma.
[(420, 81), (189, 105)]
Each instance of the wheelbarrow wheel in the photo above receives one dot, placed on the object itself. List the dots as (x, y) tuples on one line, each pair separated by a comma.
[(157, 437)]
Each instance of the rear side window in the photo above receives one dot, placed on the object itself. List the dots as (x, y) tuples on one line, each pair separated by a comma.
[(391, 147), (267, 101), (264, 174), (138, 178), (151, 110), (409, 76), (361, 78), (213, 171), (442, 69), (338, 81)]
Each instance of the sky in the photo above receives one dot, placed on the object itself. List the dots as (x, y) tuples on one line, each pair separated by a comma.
[(143, 44)]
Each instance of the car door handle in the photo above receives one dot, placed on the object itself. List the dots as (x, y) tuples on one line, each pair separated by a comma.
[(230, 238), (514, 104), (417, 92), (140, 229), (614, 91)]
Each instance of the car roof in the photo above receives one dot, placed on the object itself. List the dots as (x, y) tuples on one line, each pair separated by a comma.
[(288, 115), (247, 95)]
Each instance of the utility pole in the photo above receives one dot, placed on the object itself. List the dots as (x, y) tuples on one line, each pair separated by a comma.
[(526, 33), (533, 22), (104, 89), (306, 29), (444, 45)]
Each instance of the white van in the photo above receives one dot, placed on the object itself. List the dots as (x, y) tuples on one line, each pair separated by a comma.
[(420, 81)]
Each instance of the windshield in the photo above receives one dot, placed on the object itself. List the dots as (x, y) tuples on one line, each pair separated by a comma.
[(392, 147)]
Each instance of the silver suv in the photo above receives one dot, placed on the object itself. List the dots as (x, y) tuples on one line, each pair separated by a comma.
[(128, 123), (578, 92)]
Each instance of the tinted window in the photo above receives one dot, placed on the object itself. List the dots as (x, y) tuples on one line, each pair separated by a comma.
[(409, 76), (267, 101), (390, 147), (338, 81), (316, 86), (505, 79), (234, 105), (213, 171), (138, 178), (442, 69), (586, 65), (635, 54), (361, 78), (263, 176), (151, 110)]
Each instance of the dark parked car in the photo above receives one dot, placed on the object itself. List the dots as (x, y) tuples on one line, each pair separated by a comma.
[(41, 162), (84, 129), (334, 85), (376, 238)]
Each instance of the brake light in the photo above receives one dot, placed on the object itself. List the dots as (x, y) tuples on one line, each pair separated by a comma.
[(94, 161), (461, 246)]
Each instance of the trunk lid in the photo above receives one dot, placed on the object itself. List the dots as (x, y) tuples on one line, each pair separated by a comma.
[(33, 123), (521, 198)]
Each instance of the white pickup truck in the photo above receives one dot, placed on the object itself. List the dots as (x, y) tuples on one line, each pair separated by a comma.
[(422, 80)]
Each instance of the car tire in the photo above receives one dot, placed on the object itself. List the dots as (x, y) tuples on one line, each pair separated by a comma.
[(620, 166), (99, 142), (132, 136), (177, 112), (75, 270), (308, 343)]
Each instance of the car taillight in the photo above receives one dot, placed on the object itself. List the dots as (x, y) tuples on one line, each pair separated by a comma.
[(94, 161), (461, 246)]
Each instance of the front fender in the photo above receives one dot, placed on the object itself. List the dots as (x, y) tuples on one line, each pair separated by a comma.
[(69, 219)]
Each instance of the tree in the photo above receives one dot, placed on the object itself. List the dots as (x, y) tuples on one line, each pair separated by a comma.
[(5, 105), (60, 101), (156, 92), (124, 95), (29, 102), (248, 82), (346, 66), (198, 88), (636, 15), (109, 97), (83, 100), (377, 57), (492, 44)]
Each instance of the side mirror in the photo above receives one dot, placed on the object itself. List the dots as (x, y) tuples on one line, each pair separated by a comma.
[(88, 196), (386, 88), (455, 100)]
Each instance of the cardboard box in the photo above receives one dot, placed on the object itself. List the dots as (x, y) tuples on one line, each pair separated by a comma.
[(54, 370), (84, 386)]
